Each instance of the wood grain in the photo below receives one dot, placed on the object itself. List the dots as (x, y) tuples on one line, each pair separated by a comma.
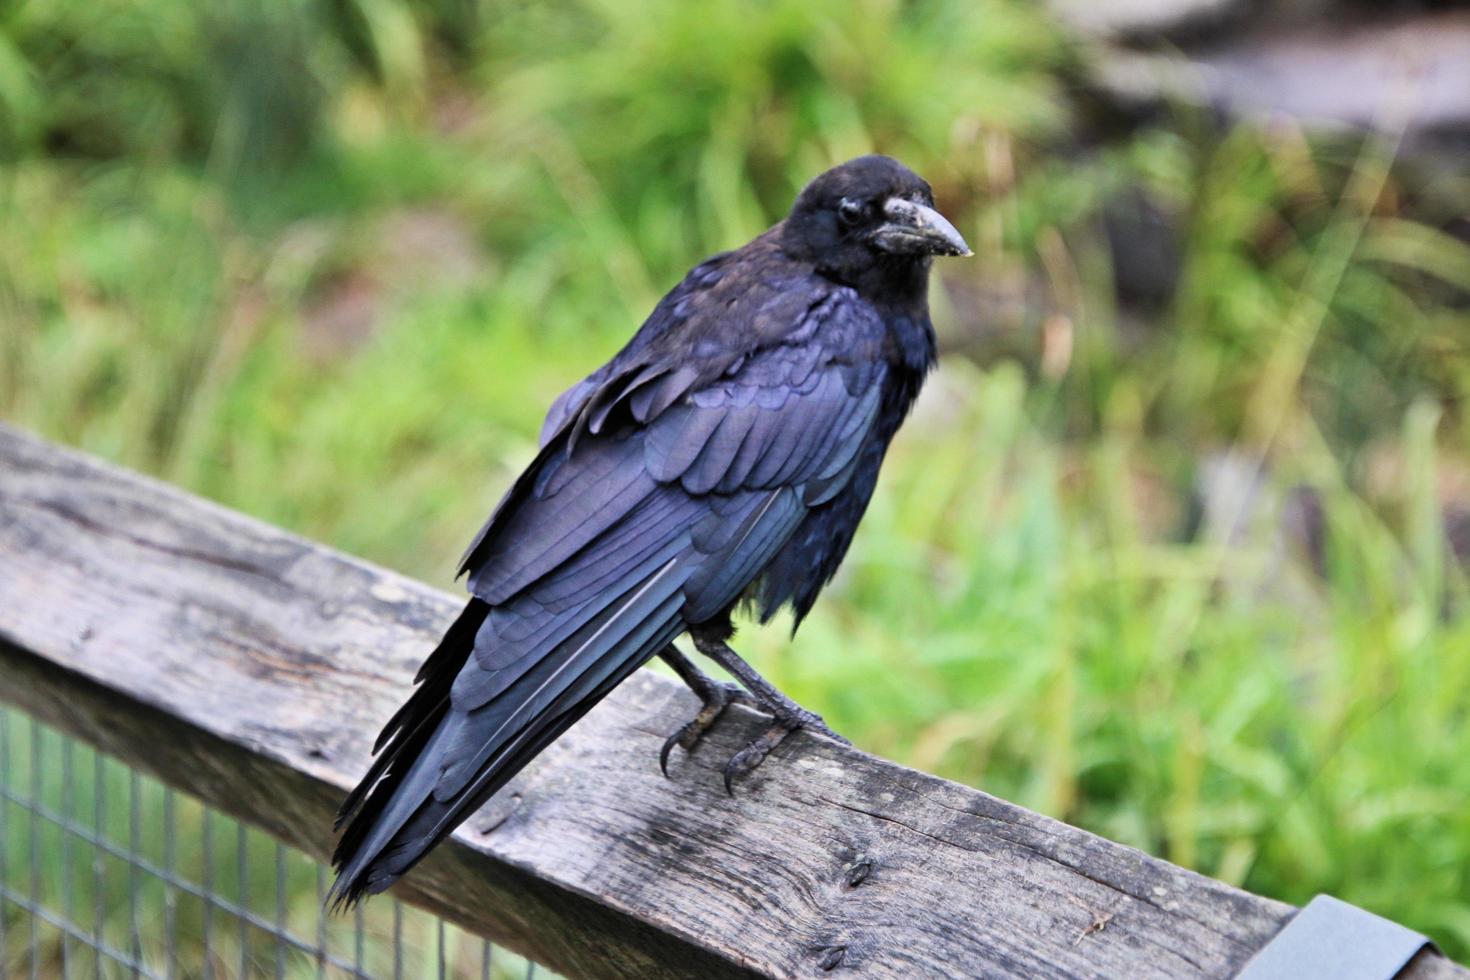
[(253, 669)]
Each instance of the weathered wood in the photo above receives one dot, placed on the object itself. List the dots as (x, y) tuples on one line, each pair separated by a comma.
[(253, 669)]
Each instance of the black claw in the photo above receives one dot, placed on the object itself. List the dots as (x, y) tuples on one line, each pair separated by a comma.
[(688, 737), (748, 758), (735, 767), (716, 700)]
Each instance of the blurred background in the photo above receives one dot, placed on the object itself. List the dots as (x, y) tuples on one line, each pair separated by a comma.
[(1175, 548)]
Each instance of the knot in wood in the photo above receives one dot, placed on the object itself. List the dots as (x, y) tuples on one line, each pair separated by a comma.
[(857, 872), (830, 957)]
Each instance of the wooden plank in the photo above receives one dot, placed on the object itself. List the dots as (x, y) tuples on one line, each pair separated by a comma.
[(252, 668)]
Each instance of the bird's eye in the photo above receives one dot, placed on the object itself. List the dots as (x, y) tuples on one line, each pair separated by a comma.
[(850, 211)]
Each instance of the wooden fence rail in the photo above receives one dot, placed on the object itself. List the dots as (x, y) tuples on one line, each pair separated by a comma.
[(252, 669)]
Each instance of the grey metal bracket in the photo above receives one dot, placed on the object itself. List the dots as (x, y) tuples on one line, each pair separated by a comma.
[(1332, 940)]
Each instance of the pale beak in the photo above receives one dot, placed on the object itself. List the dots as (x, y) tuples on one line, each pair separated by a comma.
[(916, 229)]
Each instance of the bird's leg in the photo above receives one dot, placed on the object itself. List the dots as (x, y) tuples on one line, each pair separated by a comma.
[(789, 715), (714, 695), (767, 697)]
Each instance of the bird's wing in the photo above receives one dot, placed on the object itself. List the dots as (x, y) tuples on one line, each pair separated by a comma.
[(654, 506), (648, 524)]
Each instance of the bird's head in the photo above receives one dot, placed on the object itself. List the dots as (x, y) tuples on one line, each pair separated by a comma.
[(870, 220)]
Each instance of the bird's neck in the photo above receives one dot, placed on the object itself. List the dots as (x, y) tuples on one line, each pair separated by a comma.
[(900, 282), (900, 292), (911, 335)]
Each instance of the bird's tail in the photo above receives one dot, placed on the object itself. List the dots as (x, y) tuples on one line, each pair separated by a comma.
[(437, 764)]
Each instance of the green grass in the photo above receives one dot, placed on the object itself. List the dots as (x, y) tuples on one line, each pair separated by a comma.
[(1033, 605)]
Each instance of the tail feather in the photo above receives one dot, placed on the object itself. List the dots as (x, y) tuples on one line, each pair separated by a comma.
[(617, 631), (406, 733), (439, 763), (431, 824)]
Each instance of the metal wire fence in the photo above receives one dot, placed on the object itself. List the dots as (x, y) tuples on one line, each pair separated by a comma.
[(105, 872)]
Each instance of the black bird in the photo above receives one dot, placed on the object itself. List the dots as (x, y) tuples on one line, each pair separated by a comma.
[(725, 455)]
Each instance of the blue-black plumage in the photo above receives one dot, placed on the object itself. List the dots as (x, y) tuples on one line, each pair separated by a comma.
[(726, 454)]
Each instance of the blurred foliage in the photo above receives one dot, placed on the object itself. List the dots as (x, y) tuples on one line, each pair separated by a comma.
[(328, 260)]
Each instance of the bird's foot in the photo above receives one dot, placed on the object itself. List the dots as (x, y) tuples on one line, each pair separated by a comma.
[(810, 721), (717, 696), (748, 758)]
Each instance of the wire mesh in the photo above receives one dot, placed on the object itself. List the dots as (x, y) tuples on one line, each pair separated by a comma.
[(105, 872)]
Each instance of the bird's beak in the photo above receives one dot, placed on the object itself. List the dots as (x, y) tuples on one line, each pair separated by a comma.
[(915, 229)]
